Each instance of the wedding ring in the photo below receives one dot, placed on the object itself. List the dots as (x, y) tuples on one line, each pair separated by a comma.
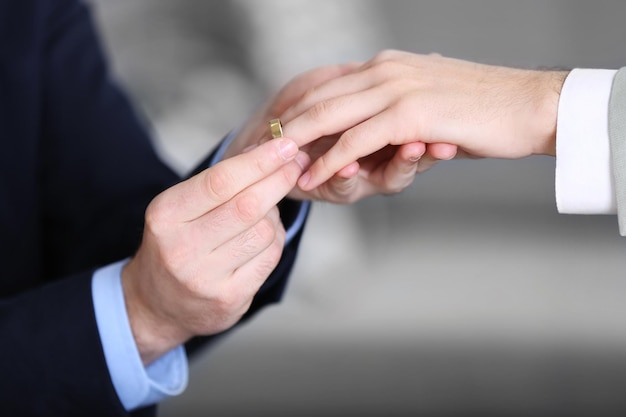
[(276, 128)]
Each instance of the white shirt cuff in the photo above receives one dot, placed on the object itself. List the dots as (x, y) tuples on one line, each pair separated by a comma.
[(136, 386), (583, 178)]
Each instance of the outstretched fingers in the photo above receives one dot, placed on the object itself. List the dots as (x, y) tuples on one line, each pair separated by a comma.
[(362, 140)]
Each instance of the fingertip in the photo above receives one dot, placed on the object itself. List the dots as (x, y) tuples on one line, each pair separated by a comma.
[(413, 152), (343, 187), (304, 180), (349, 171), (443, 151)]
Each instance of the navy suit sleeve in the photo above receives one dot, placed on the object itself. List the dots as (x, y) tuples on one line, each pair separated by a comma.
[(86, 170)]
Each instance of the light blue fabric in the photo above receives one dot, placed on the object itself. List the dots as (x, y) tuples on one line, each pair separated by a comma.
[(138, 386)]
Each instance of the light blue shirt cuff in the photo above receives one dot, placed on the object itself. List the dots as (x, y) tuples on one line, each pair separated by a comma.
[(136, 386), (298, 223)]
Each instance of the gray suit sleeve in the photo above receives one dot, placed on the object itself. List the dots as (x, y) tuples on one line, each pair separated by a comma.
[(617, 136)]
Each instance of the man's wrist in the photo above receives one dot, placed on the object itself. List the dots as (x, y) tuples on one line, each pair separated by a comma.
[(550, 86), (152, 334)]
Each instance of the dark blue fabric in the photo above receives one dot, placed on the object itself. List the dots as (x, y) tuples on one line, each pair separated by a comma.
[(77, 169)]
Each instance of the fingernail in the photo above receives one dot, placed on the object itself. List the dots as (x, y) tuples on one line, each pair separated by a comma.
[(414, 158), (287, 149)]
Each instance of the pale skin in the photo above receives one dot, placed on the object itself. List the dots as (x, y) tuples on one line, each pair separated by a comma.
[(454, 108), (384, 172), (211, 241)]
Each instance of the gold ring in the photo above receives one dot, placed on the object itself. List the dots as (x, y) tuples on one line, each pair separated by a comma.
[(276, 128)]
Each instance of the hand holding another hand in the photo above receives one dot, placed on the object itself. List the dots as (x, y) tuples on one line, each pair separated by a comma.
[(209, 244), (449, 105), (387, 171)]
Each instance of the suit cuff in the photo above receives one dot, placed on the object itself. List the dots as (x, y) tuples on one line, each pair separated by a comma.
[(136, 386), (583, 178)]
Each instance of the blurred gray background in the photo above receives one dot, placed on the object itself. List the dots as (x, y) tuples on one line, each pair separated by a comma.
[(465, 295)]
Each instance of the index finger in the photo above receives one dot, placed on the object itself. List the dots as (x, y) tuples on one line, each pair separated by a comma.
[(362, 140), (216, 185), (297, 87)]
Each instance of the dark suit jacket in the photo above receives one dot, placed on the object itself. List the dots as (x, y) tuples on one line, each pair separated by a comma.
[(77, 170)]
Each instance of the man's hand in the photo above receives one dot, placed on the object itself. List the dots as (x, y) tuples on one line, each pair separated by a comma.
[(449, 105), (209, 244), (388, 171), (256, 130)]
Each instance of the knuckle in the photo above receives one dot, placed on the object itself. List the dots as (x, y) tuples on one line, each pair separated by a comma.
[(195, 286), (341, 189), (157, 214), (309, 95), (253, 241), (264, 264), (247, 208), (323, 166), (270, 259), (229, 300), (384, 55), (402, 88), (320, 110), (389, 58), (280, 235), (234, 299), (385, 67), (274, 215), (276, 251), (217, 183), (269, 162), (349, 141), (349, 198), (393, 75), (346, 192), (265, 231), (152, 216)]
